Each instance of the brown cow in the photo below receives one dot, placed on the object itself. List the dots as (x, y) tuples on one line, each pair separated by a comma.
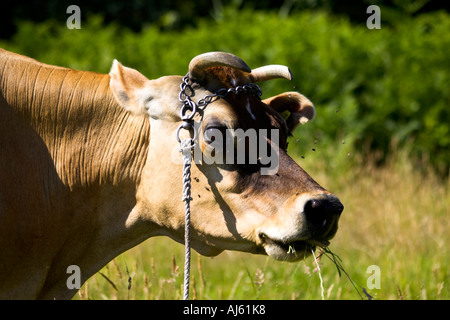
[(87, 171)]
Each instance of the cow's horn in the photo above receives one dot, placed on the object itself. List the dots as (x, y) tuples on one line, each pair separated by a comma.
[(273, 71), (214, 59)]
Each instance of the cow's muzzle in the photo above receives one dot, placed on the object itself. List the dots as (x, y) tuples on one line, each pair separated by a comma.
[(319, 223)]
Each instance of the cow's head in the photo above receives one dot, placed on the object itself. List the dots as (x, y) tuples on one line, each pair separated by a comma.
[(236, 206)]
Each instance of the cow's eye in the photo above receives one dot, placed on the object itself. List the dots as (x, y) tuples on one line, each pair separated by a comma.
[(211, 133)]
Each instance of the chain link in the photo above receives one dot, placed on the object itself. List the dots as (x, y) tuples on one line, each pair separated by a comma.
[(190, 107)]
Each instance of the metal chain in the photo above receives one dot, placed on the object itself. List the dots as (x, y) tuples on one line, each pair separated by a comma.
[(187, 113), (186, 92)]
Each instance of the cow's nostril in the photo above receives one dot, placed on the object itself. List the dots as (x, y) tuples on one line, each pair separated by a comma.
[(315, 214), (322, 215)]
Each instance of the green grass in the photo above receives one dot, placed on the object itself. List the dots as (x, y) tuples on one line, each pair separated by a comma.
[(394, 217)]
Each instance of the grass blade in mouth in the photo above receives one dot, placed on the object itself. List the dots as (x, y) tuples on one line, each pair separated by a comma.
[(338, 263), (320, 275), (291, 249)]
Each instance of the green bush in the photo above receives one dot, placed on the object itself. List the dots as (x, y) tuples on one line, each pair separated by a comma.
[(373, 89)]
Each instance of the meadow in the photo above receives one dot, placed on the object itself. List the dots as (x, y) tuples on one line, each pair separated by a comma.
[(395, 218)]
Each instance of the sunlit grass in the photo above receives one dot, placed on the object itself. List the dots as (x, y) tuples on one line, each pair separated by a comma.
[(395, 218)]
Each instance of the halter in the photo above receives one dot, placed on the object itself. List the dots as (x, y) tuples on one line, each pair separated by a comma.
[(187, 113)]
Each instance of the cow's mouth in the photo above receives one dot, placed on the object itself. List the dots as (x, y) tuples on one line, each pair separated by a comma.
[(290, 250)]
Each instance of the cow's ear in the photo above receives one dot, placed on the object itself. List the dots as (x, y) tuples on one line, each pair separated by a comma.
[(130, 88), (294, 107)]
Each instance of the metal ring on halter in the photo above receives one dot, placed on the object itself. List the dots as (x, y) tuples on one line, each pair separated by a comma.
[(186, 125), (188, 105)]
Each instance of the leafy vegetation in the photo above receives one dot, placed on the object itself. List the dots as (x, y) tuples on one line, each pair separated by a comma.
[(179, 14), (373, 89)]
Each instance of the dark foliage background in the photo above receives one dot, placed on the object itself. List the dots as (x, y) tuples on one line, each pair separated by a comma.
[(375, 91)]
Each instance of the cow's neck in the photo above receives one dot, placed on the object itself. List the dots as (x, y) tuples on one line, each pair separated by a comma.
[(91, 139), (96, 153)]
